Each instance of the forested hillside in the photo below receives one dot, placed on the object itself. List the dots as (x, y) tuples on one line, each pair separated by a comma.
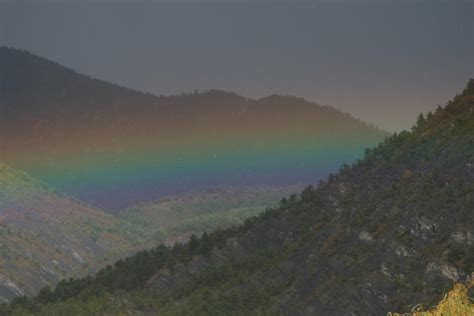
[(391, 231)]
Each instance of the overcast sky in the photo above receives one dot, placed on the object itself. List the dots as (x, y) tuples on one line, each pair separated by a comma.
[(383, 61)]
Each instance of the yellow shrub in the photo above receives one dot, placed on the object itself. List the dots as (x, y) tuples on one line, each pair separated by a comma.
[(455, 303)]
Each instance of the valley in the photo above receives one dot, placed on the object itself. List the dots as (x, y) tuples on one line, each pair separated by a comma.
[(48, 236)]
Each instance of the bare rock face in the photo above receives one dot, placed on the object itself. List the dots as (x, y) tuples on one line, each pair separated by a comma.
[(463, 237), (8, 289), (365, 236)]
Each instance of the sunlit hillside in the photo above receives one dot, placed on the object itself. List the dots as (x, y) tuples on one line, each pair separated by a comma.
[(46, 235)]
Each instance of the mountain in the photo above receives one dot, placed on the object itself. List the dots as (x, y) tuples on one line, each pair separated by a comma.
[(46, 236), (393, 230), (113, 147)]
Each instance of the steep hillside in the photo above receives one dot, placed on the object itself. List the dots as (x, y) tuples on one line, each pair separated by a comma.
[(393, 230), (113, 147), (45, 235)]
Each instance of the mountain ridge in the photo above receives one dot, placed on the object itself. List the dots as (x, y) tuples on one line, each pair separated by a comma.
[(113, 147), (10, 54)]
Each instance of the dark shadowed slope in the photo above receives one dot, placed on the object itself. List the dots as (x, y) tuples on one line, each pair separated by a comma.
[(113, 147), (393, 230)]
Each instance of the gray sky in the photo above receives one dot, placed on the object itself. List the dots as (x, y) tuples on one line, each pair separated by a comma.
[(383, 61)]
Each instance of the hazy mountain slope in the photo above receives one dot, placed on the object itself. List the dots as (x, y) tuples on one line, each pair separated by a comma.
[(46, 235), (176, 218), (394, 230), (114, 147)]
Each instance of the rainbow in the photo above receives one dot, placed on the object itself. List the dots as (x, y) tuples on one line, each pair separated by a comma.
[(117, 177), (113, 147)]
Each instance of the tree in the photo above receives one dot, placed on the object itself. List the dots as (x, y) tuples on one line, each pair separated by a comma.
[(420, 122), (292, 199), (469, 88), (307, 194), (206, 245), (284, 202), (45, 295), (193, 244)]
